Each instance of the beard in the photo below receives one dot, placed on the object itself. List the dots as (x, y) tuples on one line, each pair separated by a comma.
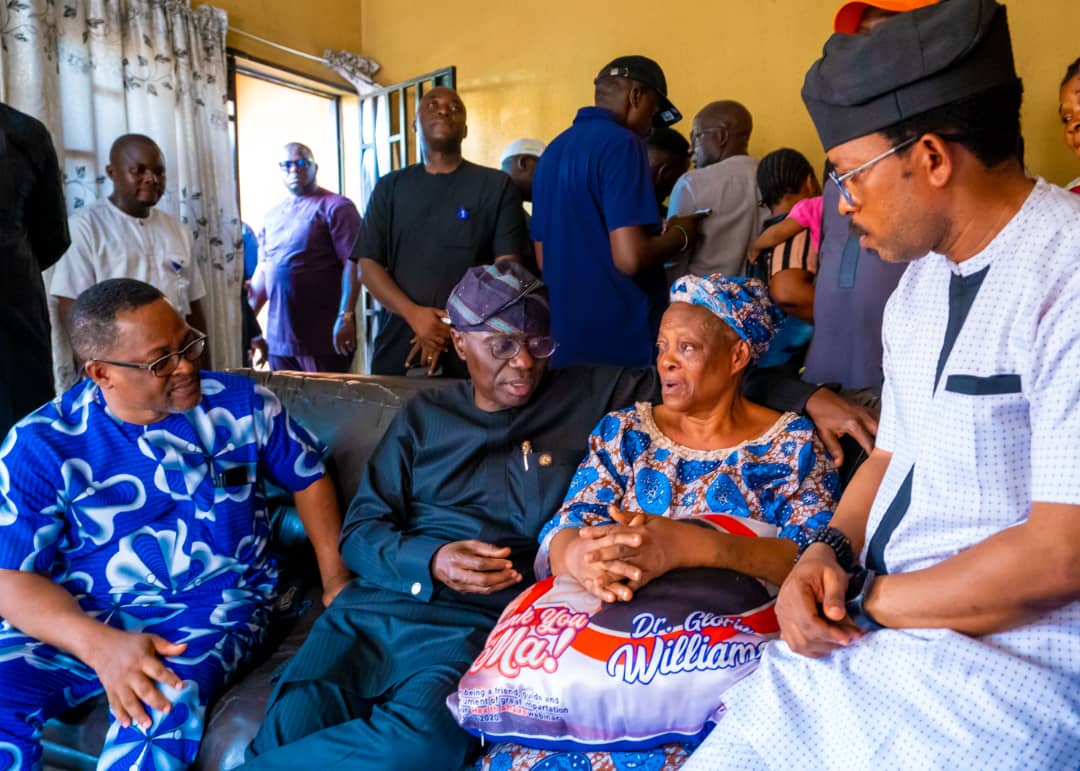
[(904, 242)]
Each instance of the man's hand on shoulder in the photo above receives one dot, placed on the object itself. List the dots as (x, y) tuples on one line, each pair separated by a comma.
[(474, 567), (810, 605), (129, 665), (834, 417)]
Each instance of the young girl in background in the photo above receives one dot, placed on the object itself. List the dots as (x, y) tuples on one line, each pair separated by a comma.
[(1069, 109)]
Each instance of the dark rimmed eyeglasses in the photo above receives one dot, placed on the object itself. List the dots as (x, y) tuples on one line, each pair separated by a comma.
[(167, 364), (507, 347), (840, 180), (300, 163)]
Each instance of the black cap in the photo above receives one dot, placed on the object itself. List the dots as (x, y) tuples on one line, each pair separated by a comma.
[(909, 64), (644, 70)]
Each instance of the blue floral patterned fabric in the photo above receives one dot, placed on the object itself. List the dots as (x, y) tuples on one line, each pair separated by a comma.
[(743, 304), (160, 528), (784, 477)]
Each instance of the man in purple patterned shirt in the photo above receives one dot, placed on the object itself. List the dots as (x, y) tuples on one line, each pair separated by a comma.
[(304, 249)]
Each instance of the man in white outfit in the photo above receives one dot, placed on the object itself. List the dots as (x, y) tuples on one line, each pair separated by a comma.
[(724, 181), (126, 236), (936, 623)]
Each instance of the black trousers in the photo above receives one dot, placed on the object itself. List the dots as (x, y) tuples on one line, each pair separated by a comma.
[(26, 375)]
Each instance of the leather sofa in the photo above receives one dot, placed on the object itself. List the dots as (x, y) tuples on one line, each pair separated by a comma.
[(349, 413)]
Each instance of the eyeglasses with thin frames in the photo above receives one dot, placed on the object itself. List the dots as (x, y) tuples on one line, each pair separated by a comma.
[(167, 364), (840, 180), (505, 347), (697, 134)]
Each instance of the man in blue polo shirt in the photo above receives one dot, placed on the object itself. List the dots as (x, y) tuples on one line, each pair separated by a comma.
[(595, 222)]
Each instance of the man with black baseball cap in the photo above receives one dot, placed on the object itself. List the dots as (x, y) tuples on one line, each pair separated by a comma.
[(936, 622), (595, 222), (646, 72)]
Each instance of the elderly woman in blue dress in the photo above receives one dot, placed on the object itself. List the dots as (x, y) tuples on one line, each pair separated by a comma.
[(705, 449)]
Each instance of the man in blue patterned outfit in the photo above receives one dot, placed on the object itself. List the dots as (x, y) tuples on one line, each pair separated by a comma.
[(134, 554)]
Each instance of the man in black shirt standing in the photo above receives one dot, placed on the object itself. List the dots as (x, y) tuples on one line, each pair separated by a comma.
[(33, 235), (425, 226)]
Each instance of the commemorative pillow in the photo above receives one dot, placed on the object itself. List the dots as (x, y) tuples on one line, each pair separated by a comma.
[(562, 670)]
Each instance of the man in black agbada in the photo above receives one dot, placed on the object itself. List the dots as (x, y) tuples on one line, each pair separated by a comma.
[(33, 235), (442, 534)]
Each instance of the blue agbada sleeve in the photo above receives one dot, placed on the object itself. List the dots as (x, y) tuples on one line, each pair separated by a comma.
[(32, 505), (376, 541), (289, 454)]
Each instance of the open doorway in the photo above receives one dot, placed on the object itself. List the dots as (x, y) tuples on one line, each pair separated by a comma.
[(270, 107), (355, 140), (274, 107)]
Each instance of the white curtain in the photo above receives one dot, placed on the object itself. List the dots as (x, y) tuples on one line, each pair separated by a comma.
[(92, 70)]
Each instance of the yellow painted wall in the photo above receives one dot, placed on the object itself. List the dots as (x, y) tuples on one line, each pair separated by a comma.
[(524, 68), (311, 26)]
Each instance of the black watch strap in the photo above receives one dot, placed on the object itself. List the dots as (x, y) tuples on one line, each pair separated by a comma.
[(838, 542), (858, 590)]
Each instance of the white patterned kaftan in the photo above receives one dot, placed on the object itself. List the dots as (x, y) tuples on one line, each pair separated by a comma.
[(998, 432)]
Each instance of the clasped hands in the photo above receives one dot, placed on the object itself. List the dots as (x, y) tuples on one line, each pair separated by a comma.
[(431, 337), (474, 567), (614, 561), (610, 561), (810, 606)]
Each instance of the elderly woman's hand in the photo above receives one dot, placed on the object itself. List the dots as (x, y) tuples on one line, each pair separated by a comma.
[(639, 547), (595, 563)]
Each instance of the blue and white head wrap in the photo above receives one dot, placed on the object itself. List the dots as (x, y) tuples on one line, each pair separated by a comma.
[(742, 303)]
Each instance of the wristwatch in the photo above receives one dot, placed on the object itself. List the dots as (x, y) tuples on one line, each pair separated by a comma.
[(859, 585), (349, 315), (835, 540)]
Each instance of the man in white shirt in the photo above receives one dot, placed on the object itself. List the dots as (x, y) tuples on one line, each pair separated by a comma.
[(936, 623), (125, 236), (724, 179), (519, 161)]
